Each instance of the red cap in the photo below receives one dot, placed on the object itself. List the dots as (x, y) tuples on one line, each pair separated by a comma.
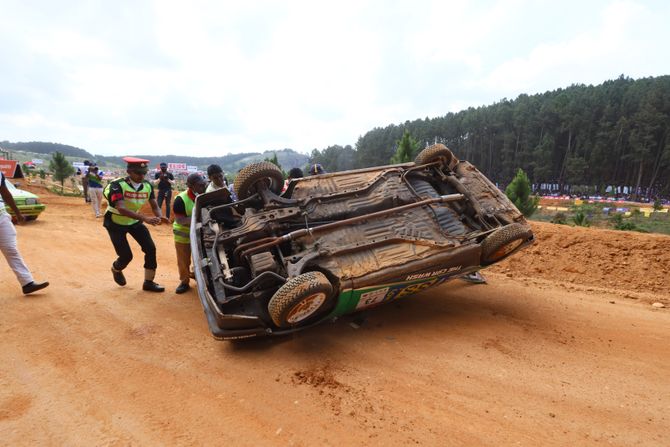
[(135, 160), (136, 163)]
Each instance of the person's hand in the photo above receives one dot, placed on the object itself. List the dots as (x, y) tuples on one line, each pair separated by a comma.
[(152, 220), (19, 219), (165, 220)]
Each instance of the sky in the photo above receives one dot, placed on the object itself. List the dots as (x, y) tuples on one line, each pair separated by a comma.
[(210, 78)]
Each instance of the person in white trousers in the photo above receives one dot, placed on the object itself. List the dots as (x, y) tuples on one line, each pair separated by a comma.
[(94, 178), (8, 242)]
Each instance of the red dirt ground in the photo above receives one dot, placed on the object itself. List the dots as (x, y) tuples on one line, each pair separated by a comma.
[(563, 346)]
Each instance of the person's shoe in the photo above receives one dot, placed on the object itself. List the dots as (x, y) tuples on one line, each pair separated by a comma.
[(119, 278), (34, 287), (182, 288), (151, 286)]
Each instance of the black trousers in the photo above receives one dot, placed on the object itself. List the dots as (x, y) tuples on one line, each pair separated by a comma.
[(139, 232), (167, 195)]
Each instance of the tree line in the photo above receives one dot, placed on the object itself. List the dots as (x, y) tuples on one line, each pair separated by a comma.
[(615, 133)]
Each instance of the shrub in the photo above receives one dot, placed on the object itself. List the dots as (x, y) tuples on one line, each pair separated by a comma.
[(559, 218), (581, 220), (518, 192), (619, 224)]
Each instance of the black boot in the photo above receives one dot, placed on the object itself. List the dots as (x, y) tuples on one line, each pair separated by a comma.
[(151, 286), (118, 277), (34, 287), (182, 288)]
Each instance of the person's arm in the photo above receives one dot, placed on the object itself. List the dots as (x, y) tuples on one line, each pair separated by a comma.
[(159, 218), (179, 211), (158, 213), (157, 178), (170, 178), (116, 201), (9, 200), (121, 208)]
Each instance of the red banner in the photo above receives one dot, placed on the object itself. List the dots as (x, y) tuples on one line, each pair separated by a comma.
[(11, 168)]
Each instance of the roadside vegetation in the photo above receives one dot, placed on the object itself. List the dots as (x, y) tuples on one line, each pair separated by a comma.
[(624, 217)]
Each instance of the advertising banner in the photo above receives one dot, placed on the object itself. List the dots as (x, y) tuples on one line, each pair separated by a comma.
[(176, 166), (11, 168)]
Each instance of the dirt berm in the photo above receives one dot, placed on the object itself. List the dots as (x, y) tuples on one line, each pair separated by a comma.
[(562, 347)]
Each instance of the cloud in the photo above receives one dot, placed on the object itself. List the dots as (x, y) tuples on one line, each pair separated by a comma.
[(620, 39), (212, 77)]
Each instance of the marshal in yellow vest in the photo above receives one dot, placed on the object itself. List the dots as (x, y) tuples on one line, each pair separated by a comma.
[(182, 232), (132, 199)]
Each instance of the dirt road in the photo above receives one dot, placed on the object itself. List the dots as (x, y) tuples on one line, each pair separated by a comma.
[(563, 346)]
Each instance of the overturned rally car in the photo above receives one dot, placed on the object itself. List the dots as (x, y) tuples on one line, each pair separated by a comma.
[(332, 244)]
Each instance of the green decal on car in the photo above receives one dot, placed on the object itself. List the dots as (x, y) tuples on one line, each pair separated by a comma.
[(352, 300)]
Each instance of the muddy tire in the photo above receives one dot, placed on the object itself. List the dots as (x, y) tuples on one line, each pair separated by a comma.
[(501, 243), (253, 176), (301, 299), (437, 152)]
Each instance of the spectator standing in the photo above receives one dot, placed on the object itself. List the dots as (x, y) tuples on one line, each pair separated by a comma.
[(217, 178), (181, 227), (293, 173), (316, 169), (94, 177), (126, 196), (164, 180), (8, 242), (84, 181)]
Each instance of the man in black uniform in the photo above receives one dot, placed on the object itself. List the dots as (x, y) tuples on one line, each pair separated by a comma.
[(164, 180), (125, 197)]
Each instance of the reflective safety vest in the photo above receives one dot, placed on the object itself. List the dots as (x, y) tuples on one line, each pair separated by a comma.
[(182, 233), (133, 200)]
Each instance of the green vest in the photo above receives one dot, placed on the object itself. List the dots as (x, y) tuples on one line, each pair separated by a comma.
[(90, 177), (133, 200), (182, 232)]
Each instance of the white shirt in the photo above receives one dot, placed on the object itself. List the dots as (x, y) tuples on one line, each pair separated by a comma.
[(212, 187)]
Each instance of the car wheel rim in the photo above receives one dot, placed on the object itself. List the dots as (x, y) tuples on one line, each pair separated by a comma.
[(306, 308), (507, 249)]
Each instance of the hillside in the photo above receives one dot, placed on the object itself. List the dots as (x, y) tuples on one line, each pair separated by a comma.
[(231, 163)]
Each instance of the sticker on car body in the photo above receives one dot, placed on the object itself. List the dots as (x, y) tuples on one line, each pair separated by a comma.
[(377, 296), (368, 299)]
